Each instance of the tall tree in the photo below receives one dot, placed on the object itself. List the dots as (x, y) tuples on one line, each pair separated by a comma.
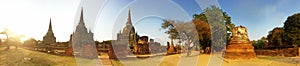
[(188, 34), (171, 30), (276, 37), (213, 23), (184, 31), (292, 29), (226, 18), (204, 33), (218, 20)]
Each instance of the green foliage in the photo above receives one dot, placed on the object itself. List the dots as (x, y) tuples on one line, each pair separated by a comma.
[(292, 29), (288, 35), (171, 30), (220, 26), (213, 23), (259, 44), (276, 37), (204, 33)]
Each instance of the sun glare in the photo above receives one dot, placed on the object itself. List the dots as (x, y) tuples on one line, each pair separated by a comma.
[(24, 39), (13, 35)]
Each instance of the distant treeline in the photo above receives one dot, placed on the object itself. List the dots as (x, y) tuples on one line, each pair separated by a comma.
[(282, 37)]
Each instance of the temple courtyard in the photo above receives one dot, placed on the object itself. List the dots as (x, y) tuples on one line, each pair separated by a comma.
[(20, 56)]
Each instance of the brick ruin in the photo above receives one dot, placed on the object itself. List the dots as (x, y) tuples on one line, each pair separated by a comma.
[(240, 46), (130, 43), (142, 47)]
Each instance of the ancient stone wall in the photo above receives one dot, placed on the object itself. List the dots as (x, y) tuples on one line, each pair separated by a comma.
[(287, 52)]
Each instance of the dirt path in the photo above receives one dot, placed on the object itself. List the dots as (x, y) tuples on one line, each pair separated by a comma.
[(104, 58), (204, 60)]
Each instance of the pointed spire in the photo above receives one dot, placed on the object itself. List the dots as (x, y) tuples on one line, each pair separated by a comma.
[(81, 16), (129, 18), (81, 24), (50, 26)]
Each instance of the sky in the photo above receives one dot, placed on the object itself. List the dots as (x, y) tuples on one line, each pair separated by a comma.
[(260, 16), (107, 17), (32, 17), (146, 18)]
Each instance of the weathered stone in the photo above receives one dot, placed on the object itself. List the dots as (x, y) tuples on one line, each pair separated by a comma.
[(155, 47), (83, 42), (69, 51), (240, 46), (117, 51), (49, 39), (89, 51), (142, 47)]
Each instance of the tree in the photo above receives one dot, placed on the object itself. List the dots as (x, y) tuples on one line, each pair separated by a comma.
[(7, 34), (218, 20), (213, 23), (31, 42), (226, 18), (184, 31), (259, 44), (204, 33), (171, 30), (11, 38), (276, 37), (188, 34), (292, 29)]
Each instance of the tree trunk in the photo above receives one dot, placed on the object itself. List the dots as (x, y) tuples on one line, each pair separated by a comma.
[(189, 48), (188, 51)]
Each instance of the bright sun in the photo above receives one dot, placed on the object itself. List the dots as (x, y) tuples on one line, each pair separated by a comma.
[(13, 35)]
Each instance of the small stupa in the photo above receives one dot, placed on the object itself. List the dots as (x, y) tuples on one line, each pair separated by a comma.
[(240, 46)]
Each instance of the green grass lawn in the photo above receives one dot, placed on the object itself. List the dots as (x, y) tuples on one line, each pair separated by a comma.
[(15, 57)]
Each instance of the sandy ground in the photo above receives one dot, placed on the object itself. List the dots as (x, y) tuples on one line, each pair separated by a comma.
[(23, 57), (203, 60)]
